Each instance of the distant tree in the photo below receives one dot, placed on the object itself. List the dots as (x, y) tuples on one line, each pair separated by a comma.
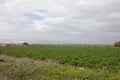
[(25, 43), (117, 44)]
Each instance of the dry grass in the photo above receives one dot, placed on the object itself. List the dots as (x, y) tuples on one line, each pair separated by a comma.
[(18, 64)]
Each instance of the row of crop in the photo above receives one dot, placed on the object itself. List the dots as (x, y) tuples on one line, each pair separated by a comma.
[(92, 57)]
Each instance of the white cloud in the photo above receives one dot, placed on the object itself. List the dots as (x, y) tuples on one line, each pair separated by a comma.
[(83, 21)]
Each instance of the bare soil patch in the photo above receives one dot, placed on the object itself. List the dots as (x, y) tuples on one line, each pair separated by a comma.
[(3, 76)]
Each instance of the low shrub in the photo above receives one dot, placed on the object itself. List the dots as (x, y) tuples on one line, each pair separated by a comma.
[(117, 44)]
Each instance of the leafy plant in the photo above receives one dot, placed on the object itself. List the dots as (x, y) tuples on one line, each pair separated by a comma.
[(117, 44)]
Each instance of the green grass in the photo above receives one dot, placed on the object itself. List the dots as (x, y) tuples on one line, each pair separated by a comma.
[(61, 72), (101, 63), (31, 71)]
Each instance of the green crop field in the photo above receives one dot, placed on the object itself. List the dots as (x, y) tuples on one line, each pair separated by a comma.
[(91, 57), (96, 58)]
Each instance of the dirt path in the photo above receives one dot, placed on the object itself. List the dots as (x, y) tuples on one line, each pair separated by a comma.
[(9, 61), (3, 76)]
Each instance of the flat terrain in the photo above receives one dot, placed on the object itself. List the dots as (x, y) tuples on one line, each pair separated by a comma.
[(51, 62)]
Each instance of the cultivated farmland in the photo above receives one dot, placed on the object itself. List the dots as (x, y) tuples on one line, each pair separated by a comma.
[(77, 62)]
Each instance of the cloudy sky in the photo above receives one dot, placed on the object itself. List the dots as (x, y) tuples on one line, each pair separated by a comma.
[(67, 21)]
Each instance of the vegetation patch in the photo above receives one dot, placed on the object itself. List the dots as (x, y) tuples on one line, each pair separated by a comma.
[(62, 63), (117, 44)]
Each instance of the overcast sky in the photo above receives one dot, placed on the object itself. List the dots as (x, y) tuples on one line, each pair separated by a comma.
[(67, 21)]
